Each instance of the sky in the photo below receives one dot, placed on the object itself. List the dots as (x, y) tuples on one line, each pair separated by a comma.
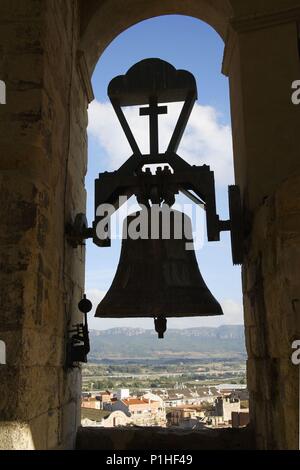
[(186, 43)]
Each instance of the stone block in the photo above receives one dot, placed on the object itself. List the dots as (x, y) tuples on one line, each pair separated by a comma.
[(251, 375), (275, 320), (258, 342), (21, 11), (289, 383), (23, 72), (15, 435), (19, 210), (9, 392), (269, 258), (249, 312), (53, 429), (248, 341), (41, 349), (69, 385), (288, 197), (24, 103), (69, 422), (289, 225), (38, 391), (289, 257), (21, 37), (38, 428)]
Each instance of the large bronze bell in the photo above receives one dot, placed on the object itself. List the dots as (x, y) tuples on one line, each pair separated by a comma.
[(158, 277)]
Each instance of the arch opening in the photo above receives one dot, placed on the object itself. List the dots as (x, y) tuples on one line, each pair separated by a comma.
[(97, 31), (103, 125)]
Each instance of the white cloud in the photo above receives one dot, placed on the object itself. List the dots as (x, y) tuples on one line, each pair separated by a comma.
[(233, 311), (95, 296), (205, 140)]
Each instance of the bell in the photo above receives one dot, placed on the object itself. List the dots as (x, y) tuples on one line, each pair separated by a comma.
[(158, 274)]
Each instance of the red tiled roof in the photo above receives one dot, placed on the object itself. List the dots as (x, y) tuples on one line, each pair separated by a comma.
[(136, 401)]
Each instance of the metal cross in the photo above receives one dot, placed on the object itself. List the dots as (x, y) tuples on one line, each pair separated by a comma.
[(153, 111)]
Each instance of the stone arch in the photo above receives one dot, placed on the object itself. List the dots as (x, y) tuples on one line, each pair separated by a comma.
[(97, 30), (44, 163), (254, 33)]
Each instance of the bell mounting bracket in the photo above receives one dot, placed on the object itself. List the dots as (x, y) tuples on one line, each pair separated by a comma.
[(78, 343), (78, 230)]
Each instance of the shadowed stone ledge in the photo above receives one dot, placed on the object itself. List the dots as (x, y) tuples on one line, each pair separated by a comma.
[(96, 438)]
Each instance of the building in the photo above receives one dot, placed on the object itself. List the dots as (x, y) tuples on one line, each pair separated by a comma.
[(101, 418), (122, 393), (174, 398), (104, 397), (154, 397), (207, 394), (91, 402), (190, 396), (92, 416), (143, 411), (227, 389), (240, 419), (243, 396), (224, 406), (188, 417)]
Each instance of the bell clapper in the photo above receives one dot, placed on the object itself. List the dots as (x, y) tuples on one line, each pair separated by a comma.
[(160, 326)]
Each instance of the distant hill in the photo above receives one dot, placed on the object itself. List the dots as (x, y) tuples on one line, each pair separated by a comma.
[(138, 342)]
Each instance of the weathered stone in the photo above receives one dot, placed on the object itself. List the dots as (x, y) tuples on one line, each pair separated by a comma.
[(167, 439), (53, 429), (38, 429), (69, 421), (43, 162), (15, 436)]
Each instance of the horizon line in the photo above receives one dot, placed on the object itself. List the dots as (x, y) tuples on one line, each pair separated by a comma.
[(151, 329)]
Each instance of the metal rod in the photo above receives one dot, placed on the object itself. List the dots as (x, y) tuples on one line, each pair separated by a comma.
[(129, 135), (182, 122)]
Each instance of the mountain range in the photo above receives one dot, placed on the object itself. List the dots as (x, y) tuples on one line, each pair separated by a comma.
[(138, 342)]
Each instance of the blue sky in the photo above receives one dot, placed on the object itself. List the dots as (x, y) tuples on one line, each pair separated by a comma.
[(188, 44)]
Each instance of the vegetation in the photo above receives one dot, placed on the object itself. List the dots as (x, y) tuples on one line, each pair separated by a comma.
[(129, 342), (135, 358), (173, 373)]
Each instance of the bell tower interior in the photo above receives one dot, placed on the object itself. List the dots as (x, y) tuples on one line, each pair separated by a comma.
[(49, 50)]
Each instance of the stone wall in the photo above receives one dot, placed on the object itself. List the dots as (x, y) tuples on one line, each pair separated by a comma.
[(263, 61), (271, 279), (140, 438), (43, 163)]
